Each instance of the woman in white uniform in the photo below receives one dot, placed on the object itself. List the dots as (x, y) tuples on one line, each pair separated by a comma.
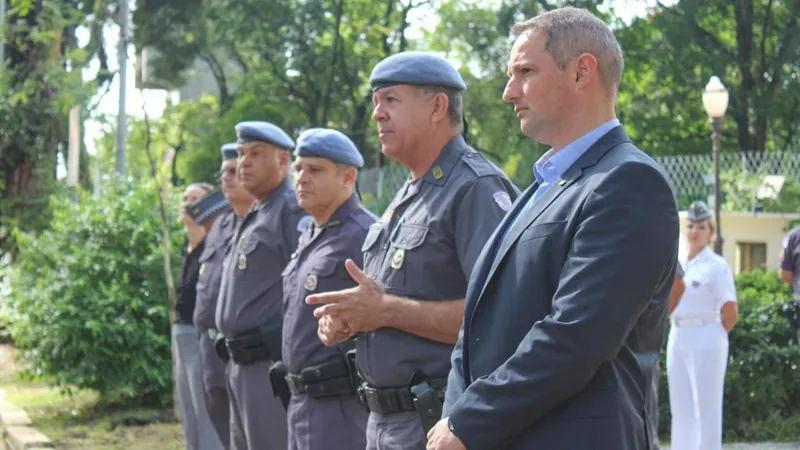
[(697, 347)]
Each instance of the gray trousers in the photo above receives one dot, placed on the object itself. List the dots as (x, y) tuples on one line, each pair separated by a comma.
[(187, 372), (334, 423), (402, 431), (215, 390), (652, 409), (258, 421)]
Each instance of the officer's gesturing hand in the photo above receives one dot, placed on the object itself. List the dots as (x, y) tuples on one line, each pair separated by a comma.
[(362, 308), (333, 330)]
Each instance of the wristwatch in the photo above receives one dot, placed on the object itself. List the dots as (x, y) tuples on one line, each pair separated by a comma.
[(450, 426)]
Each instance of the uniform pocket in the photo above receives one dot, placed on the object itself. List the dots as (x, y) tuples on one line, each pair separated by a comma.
[(372, 236), (406, 258)]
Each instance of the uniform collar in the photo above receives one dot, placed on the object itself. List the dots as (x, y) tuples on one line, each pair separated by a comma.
[(342, 212), (272, 196), (705, 254), (444, 163)]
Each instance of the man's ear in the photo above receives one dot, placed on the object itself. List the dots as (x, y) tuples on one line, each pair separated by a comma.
[(440, 106)]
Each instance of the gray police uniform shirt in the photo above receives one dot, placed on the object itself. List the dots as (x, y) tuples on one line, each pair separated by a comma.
[(252, 290), (424, 248), (318, 266), (218, 241)]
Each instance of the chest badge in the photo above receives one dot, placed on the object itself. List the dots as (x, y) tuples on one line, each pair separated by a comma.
[(242, 264), (202, 268), (398, 259), (311, 282)]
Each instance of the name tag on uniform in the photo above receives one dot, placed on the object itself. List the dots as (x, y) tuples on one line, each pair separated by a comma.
[(202, 268), (398, 258)]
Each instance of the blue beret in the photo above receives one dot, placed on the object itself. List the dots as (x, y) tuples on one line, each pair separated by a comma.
[(698, 212), (265, 132), (229, 151), (328, 144), (416, 68), (207, 207)]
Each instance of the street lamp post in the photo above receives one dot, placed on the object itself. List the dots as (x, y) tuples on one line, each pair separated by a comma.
[(715, 102)]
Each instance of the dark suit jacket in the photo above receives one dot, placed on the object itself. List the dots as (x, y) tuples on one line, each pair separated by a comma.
[(559, 316)]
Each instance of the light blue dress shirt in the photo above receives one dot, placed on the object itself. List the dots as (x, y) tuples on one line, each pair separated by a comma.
[(552, 165)]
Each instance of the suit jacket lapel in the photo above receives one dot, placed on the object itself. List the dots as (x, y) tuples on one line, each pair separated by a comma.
[(616, 136)]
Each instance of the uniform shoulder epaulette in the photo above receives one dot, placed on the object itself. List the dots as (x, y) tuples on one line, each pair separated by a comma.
[(479, 164)]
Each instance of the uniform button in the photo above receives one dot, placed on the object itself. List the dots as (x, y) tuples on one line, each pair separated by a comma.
[(469, 155), (403, 241)]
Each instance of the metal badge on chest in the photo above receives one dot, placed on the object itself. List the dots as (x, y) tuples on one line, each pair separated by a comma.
[(311, 282), (398, 258)]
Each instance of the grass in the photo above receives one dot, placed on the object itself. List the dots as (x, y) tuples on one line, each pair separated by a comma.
[(82, 421)]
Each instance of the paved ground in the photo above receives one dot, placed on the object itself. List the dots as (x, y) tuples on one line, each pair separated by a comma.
[(7, 367), (763, 446)]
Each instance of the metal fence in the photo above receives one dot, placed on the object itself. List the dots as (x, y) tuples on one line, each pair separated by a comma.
[(692, 175)]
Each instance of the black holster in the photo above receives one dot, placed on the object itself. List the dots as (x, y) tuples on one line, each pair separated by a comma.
[(428, 396), (277, 378), (334, 377), (256, 345), (221, 348)]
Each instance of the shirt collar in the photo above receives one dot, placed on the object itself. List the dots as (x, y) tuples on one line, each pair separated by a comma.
[(441, 168), (282, 188), (553, 164), (342, 212), (702, 256)]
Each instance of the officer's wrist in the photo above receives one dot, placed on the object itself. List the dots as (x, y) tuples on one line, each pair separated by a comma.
[(451, 427), (387, 310)]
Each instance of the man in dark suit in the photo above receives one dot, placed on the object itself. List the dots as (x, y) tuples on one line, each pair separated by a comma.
[(576, 278)]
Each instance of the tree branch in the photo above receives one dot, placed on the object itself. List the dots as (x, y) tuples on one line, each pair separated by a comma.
[(702, 32), (162, 210), (326, 103), (784, 45), (764, 32)]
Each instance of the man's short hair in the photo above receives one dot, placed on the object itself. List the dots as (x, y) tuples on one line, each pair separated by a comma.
[(455, 104), (572, 32)]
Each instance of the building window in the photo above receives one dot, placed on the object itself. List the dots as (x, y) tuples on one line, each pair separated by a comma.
[(751, 256)]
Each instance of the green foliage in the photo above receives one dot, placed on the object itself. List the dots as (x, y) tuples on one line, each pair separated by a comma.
[(377, 206), (739, 193), (761, 388), (86, 300), (41, 79)]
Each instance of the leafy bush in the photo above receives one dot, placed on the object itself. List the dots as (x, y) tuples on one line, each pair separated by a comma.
[(86, 300), (762, 391)]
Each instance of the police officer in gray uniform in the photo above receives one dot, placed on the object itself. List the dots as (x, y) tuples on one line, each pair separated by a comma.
[(249, 309), (217, 244), (324, 413), (409, 305)]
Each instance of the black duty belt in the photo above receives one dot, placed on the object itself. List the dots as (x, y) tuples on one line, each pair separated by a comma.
[(255, 346), (331, 378), (392, 400)]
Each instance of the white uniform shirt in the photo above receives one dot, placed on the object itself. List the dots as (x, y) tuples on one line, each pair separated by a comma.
[(709, 285)]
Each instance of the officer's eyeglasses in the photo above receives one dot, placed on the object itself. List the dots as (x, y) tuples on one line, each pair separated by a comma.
[(221, 174)]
